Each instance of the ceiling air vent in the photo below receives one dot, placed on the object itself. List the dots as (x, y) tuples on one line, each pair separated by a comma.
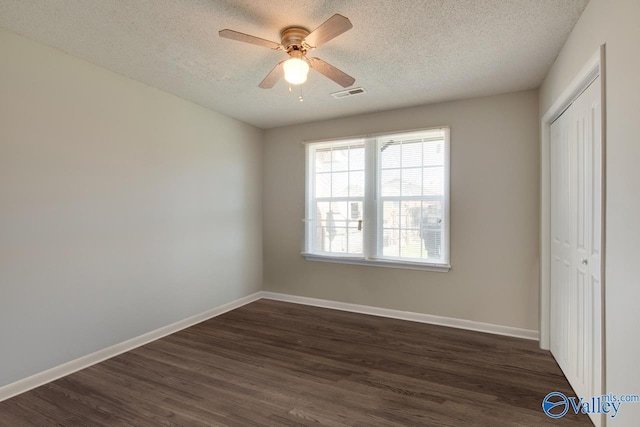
[(348, 92)]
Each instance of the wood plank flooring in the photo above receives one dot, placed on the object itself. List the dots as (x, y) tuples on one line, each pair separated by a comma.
[(272, 363)]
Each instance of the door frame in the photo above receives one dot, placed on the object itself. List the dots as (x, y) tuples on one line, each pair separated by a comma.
[(592, 68)]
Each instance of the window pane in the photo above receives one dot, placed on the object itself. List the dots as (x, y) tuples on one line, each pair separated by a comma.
[(390, 155), (340, 159), (356, 158), (319, 239), (323, 161), (433, 154), (323, 185), (355, 213), (411, 154), (340, 184), (433, 181), (356, 184), (390, 242), (335, 232), (340, 212), (321, 212), (391, 224), (332, 234), (411, 244), (410, 218), (390, 182), (391, 214), (412, 182), (355, 241), (431, 230), (336, 239), (409, 230)]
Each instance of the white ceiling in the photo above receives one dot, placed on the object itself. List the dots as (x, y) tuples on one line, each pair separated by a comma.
[(403, 52)]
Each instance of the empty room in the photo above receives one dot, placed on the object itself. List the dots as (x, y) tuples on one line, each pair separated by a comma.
[(333, 213)]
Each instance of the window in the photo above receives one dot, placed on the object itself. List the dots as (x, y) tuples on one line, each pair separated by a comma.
[(380, 200)]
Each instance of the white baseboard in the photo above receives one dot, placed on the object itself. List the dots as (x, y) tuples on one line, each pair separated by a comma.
[(408, 315), (72, 366)]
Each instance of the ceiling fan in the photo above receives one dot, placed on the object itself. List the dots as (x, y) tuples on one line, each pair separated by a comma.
[(297, 41)]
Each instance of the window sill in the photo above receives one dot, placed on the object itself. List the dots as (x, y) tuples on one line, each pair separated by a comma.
[(442, 268)]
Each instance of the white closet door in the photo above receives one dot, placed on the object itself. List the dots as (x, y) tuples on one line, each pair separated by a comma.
[(586, 121), (561, 240), (576, 201)]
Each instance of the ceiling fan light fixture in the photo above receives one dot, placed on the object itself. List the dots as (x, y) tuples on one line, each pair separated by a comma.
[(295, 71), (296, 41)]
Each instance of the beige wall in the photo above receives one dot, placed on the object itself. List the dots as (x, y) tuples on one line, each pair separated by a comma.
[(494, 215), (616, 24), (122, 208)]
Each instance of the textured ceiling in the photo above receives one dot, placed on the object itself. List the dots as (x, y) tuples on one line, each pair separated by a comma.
[(403, 52)]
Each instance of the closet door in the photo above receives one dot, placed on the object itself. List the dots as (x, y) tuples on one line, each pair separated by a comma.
[(576, 206), (587, 225)]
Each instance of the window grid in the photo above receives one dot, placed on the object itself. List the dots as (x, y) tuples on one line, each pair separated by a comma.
[(409, 220), (402, 239), (342, 228)]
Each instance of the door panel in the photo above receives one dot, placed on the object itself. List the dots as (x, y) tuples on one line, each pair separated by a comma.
[(576, 216), (560, 241)]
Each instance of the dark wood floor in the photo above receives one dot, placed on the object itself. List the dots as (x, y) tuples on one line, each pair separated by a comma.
[(277, 364)]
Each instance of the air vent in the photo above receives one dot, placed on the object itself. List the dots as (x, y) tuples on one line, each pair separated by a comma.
[(348, 92)]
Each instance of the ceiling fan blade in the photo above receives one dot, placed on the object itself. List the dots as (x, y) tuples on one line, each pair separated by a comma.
[(328, 70), (273, 76), (328, 30), (242, 37)]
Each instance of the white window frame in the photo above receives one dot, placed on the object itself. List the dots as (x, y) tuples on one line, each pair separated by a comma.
[(372, 226)]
